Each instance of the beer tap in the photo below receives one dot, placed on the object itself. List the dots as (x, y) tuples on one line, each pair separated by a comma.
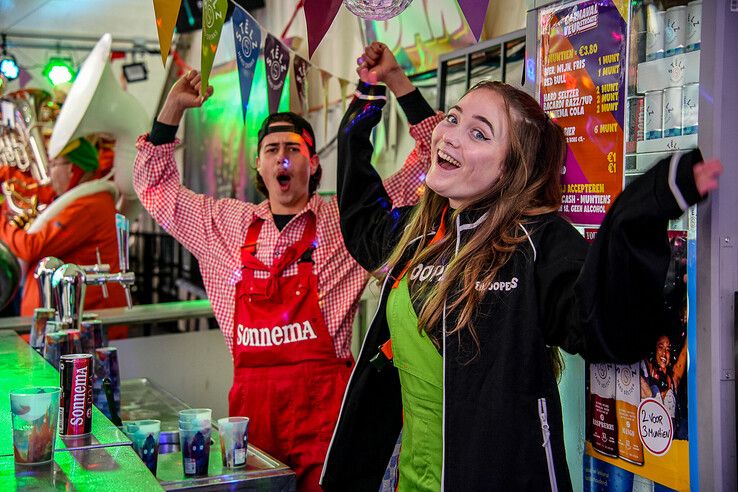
[(45, 270), (43, 273), (70, 281)]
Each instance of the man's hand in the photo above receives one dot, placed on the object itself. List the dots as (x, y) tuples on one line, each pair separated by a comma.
[(184, 94), (378, 64), (706, 175)]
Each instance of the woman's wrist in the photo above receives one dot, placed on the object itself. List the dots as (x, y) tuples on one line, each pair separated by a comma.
[(398, 82)]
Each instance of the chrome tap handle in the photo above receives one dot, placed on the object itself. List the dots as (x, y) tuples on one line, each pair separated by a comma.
[(43, 275), (69, 283), (122, 227), (99, 263)]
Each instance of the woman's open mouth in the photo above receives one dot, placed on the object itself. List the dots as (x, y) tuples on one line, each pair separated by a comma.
[(446, 161)]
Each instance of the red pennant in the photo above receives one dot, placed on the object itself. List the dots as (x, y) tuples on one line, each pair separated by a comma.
[(319, 15), (475, 12)]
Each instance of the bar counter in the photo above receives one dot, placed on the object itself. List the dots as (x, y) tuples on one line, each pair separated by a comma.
[(105, 460)]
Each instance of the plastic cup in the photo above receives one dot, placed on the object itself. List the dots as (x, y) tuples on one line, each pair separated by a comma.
[(145, 437), (194, 440), (234, 440), (35, 412)]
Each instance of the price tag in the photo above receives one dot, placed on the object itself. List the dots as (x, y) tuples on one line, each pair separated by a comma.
[(656, 427)]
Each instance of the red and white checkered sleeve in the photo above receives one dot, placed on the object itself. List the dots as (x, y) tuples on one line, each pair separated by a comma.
[(405, 186), (200, 223)]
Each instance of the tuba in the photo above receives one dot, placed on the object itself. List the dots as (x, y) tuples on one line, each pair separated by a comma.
[(97, 103), (21, 138)]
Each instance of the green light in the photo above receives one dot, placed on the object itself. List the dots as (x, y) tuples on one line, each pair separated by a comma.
[(59, 70)]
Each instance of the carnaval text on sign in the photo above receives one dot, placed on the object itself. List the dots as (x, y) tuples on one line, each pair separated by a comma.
[(582, 87)]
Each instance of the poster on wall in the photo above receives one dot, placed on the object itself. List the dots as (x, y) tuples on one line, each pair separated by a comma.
[(582, 66), (637, 433)]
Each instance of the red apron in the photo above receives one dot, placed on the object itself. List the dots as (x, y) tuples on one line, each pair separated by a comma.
[(287, 378)]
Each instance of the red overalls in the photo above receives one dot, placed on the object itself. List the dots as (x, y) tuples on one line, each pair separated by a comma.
[(287, 378)]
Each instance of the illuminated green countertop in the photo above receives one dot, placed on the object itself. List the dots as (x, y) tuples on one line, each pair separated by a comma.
[(110, 468), (21, 366)]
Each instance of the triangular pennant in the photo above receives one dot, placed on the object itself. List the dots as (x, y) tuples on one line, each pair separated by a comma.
[(247, 36), (277, 61), (475, 12), (23, 78), (213, 17), (300, 71), (319, 15), (325, 79), (344, 90), (166, 12)]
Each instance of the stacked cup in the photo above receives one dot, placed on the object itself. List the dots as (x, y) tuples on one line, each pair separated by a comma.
[(194, 440)]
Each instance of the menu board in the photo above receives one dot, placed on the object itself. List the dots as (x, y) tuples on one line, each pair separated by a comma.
[(582, 68)]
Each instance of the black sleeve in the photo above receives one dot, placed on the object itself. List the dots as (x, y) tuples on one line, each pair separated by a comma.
[(161, 133), (614, 310), (369, 224), (415, 107)]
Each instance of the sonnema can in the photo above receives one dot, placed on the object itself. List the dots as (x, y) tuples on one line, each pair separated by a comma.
[(75, 405)]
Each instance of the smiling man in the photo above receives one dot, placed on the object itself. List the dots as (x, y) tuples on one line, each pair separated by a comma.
[(283, 287)]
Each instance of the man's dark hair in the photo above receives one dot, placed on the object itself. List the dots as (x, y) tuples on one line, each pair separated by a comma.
[(299, 126)]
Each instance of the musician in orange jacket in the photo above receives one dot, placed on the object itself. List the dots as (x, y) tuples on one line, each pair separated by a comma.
[(76, 232)]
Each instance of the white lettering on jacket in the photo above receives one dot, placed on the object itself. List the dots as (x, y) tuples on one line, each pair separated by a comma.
[(497, 285), (269, 337)]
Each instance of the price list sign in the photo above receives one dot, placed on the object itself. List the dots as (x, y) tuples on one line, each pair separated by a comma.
[(582, 87)]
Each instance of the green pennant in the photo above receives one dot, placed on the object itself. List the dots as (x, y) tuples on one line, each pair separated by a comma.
[(213, 17)]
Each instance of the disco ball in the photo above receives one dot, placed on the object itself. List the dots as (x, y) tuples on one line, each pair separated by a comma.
[(376, 9)]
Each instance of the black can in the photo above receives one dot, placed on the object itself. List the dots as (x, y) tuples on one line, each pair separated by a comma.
[(75, 405)]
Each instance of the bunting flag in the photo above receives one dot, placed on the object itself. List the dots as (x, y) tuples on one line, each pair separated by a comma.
[(247, 36), (325, 79), (213, 17), (299, 70), (277, 59), (166, 12), (344, 90), (23, 78), (475, 12), (319, 15)]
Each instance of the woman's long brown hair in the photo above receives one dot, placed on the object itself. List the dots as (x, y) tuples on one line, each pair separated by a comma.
[(528, 186)]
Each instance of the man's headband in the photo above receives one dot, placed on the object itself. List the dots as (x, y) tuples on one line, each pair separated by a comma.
[(284, 126)]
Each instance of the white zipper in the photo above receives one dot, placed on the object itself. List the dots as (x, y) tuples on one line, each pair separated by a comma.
[(543, 414)]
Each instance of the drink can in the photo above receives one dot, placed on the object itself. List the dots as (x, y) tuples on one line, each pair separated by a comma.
[(653, 115), (654, 33), (98, 337), (690, 108), (675, 30), (75, 406), (106, 366), (627, 398), (693, 37), (635, 118), (603, 421), (53, 345), (38, 327), (672, 111), (74, 342)]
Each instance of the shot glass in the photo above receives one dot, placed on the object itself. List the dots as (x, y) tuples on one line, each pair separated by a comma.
[(145, 437), (194, 440), (234, 440), (34, 413)]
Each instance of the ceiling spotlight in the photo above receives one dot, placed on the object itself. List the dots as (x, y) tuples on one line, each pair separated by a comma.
[(59, 70), (9, 67), (135, 72)]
